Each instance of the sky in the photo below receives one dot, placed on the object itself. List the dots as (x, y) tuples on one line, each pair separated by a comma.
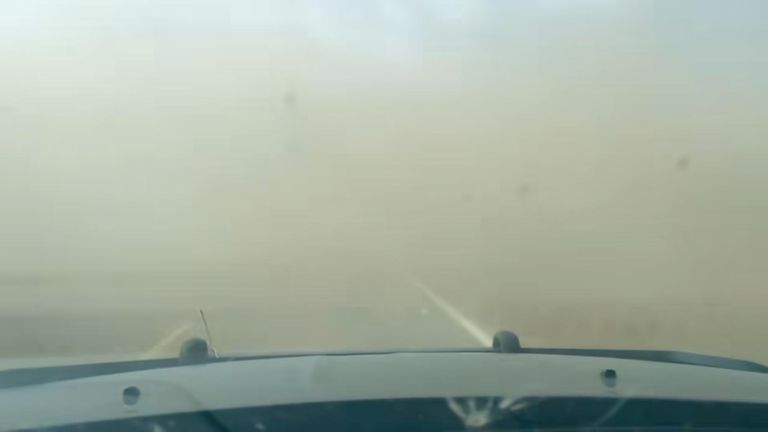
[(621, 143)]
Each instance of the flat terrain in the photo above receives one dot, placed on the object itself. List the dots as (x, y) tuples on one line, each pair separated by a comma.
[(106, 319), (381, 175)]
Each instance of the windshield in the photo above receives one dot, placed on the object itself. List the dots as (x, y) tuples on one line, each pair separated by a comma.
[(297, 176)]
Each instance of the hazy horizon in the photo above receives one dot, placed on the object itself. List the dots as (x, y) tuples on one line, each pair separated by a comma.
[(620, 143)]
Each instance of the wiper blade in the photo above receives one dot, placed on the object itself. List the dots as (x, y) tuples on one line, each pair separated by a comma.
[(41, 375), (508, 342), (195, 351), (678, 357)]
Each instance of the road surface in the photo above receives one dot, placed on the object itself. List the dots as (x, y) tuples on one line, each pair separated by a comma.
[(105, 319), (408, 176)]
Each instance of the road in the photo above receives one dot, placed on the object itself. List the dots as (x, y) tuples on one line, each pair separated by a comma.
[(103, 320), (69, 323), (386, 176)]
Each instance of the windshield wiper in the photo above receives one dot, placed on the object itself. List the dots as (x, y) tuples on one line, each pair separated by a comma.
[(197, 351), (508, 342)]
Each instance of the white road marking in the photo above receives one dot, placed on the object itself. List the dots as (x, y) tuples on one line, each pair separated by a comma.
[(172, 338), (483, 337)]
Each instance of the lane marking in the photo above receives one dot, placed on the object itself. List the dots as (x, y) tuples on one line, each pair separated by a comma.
[(161, 347), (480, 335)]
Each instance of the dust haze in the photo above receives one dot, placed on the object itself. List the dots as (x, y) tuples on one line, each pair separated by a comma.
[(585, 173)]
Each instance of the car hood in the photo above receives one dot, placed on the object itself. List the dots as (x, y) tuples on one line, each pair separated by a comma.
[(321, 378)]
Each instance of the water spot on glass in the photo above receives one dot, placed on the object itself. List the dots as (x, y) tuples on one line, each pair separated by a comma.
[(523, 189), (290, 99), (683, 163)]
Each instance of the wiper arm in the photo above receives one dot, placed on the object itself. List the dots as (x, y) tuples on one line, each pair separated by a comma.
[(193, 351), (41, 375), (197, 351), (508, 342)]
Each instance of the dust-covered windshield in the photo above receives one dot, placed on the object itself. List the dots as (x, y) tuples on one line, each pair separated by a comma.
[(381, 174)]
